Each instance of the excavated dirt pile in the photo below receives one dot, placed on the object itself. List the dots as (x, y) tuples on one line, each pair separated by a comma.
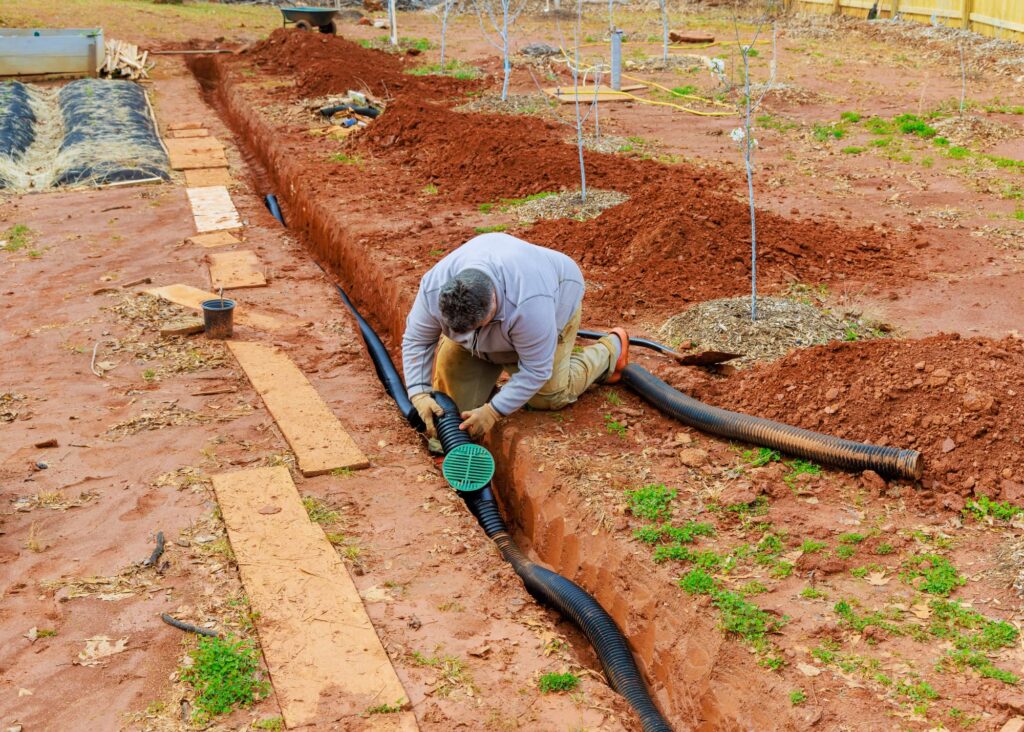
[(324, 65), (679, 240), (956, 400)]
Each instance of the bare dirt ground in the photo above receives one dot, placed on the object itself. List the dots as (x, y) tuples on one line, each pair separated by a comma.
[(855, 603)]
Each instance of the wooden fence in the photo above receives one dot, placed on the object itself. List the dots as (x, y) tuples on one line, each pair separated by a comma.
[(995, 18)]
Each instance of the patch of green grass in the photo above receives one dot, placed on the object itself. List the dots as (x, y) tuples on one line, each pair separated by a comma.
[(845, 551), (940, 141), (771, 122), (810, 546), (1001, 162), (851, 538), (744, 618), (927, 161), (844, 609), (752, 588), (684, 91), (16, 237), (613, 427), (346, 159), (823, 132), (455, 69), (911, 124), (490, 229), (551, 683), (853, 117), (651, 501), (760, 457), (797, 697), (798, 468), (812, 593), (919, 692), (225, 674), (884, 548), (697, 582), (387, 708), (881, 142), (852, 150), (958, 153), (318, 511), (613, 398), (937, 574), (980, 663), (983, 506), (342, 472), (272, 724), (685, 534), (149, 374), (879, 126), (1012, 192), (429, 189), (862, 572), (1019, 214)]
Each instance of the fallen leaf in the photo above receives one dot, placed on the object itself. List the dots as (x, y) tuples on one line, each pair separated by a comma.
[(269, 510), (480, 652), (99, 648), (32, 634), (106, 365), (922, 611), (24, 692), (877, 578), (807, 669)]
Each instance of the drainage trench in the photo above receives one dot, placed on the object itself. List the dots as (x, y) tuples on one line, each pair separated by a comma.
[(699, 680)]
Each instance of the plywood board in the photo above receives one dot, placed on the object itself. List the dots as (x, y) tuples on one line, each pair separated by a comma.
[(185, 126), (197, 152), (565, 94), (192, 297), (315, 435), (213, 208), (179, 134), (201, 177), (326, 662), (232, 270), (214, 239)]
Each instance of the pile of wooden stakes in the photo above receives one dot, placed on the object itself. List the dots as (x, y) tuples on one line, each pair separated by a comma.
[(123, 61)]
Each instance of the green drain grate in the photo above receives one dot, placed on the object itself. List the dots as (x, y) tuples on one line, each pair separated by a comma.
[(468, 467)]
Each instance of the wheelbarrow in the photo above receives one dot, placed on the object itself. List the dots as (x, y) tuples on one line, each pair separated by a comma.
[(309, 18)]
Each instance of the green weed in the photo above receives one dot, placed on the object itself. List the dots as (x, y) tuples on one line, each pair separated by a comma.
[(936, 574), (760, 457), (983, 506), (884, 548), (697, 582), (852, 150), (490, 229), (685, 534), (771, 122), (612, 398), (879, 126), (272, 724), (958, 153), (810, 546), (851, 538), (613, 427), (911, 124), (430, 189), (798, 468), (845, 551), (812, 593), (557, 683), (823, 132), (797, 697), (455, 69), (225, 673), (345, 159), (752, 588), (387, 708), (16, 237), (651, 501), (940, 141), (318, 511), (853, 117), (743, 618)]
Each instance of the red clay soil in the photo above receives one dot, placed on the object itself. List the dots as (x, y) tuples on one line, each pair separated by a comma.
[(325, 65), (956, 400)]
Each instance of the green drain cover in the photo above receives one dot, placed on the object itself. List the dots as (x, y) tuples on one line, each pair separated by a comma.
[(468, 467)]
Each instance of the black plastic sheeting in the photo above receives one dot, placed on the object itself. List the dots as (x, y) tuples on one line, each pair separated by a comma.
[(17, 121), (109, 136)]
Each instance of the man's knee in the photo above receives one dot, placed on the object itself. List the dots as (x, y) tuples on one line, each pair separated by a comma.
[(552, 401)]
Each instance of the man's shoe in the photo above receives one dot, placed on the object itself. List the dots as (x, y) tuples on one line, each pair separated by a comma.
[(623, 359)]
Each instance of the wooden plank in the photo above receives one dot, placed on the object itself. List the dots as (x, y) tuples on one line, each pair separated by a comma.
[(565, 94), (316, 436), (192, 297), (232, 270), (326, 662), (213, 209), (179, 134), (197, 152), (202, 177), (214, 239), (185, 126)]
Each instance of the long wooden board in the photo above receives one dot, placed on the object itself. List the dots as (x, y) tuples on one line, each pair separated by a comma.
[(185, 126), (325, 659), (232, 270), (192, 297), (213, 208), (180, 134), (196, 152), (316, 436), (565, 94), (200, 177), (214, 239)]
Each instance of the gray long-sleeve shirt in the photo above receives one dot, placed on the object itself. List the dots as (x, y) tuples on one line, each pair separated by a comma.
[(538, 291)]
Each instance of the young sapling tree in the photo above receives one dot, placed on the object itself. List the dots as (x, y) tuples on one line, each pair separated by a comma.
[(393, 21), (446, 8), (510, 12)]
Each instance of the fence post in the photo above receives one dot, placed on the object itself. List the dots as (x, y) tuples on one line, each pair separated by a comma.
[(965, 19), (895, 9), (836, 7)]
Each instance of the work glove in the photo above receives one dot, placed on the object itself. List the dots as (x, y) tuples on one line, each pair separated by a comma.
[(428, 409), (478, 422)]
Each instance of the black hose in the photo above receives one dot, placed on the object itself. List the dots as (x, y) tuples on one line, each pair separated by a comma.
[(158, 551), (551, 588), (188, 627), (891, 462), (270, 200), (633, 341), (370, 112)]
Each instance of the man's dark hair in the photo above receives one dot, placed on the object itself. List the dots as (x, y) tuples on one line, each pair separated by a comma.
[(466, 299)]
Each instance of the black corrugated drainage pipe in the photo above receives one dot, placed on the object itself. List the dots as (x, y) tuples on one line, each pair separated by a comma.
[(891, 462), (270, 201), (555, 590)]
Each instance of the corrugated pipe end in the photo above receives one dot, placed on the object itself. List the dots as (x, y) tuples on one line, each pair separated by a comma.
[(910, 463)]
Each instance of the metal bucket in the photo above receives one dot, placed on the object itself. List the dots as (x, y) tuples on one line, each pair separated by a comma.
[(218, 317)]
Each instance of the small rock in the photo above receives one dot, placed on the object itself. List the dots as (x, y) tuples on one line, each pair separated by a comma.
[(953, 502), (269, 510), (1007, 473), (948, 445), (414, 622), (832, 394), (740, 493), (1012, 491), (978, 401), (919, 366), (1013, 725), (693, 457), (52, 442), (459, 549), (939, 377), (872, 481), (683, 438)]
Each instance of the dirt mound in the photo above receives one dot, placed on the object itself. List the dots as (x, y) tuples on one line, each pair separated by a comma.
[(323, 64), (956, 400), (679, 240), (475, 158)]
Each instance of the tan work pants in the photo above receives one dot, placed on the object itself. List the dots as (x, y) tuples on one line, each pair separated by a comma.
[(470, 380)]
